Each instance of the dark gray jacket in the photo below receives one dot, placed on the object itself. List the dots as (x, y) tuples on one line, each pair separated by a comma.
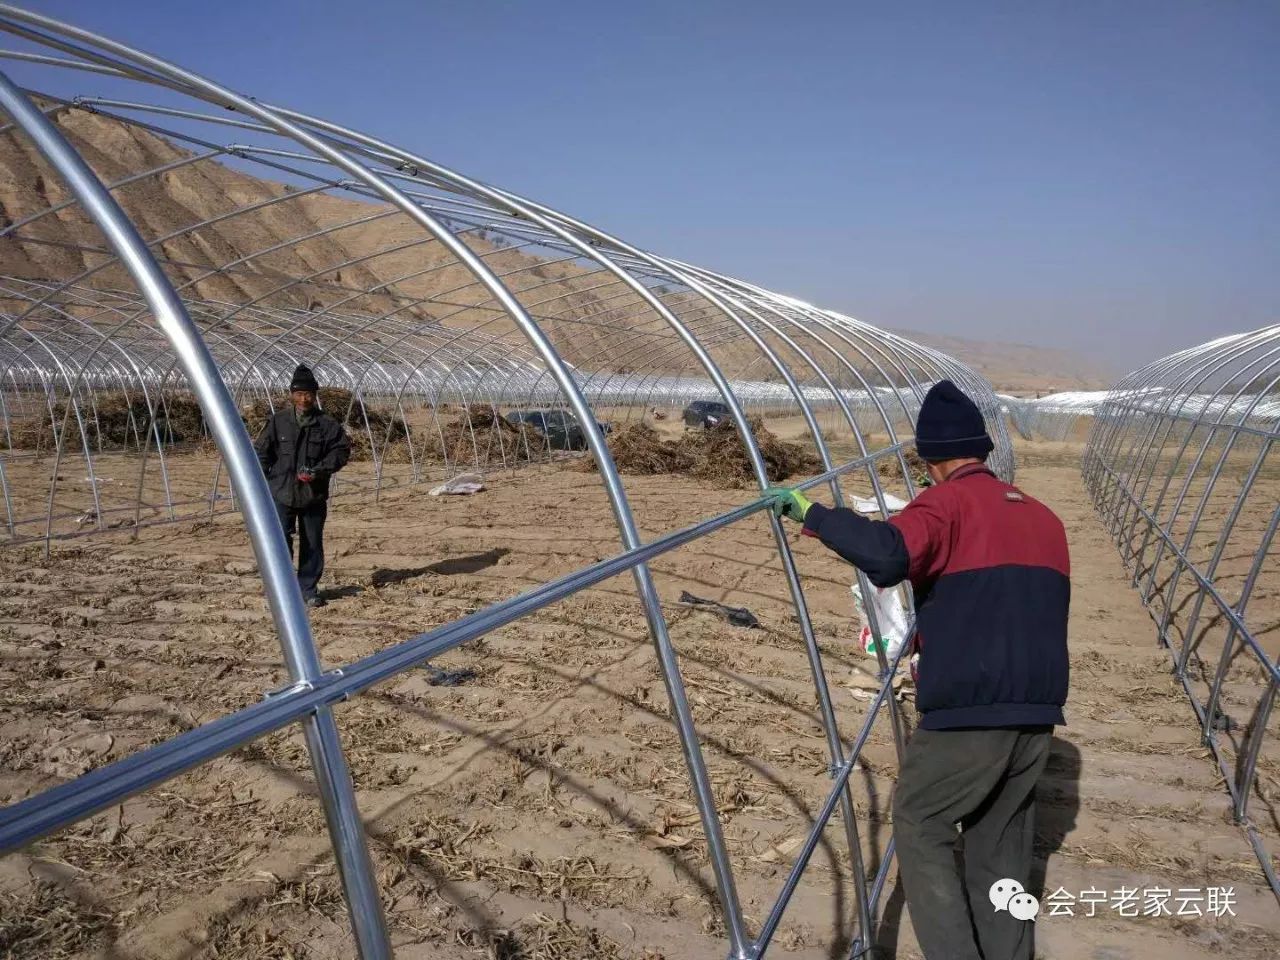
[(284, 448)]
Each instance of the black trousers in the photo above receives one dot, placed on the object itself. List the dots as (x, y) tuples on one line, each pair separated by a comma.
[(983, 780), (309, 522)]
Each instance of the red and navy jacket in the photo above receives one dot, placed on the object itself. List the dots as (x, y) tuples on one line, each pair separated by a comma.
[(991, 575)]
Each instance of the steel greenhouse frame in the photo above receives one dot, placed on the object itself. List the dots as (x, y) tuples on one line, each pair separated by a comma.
[(1180, 466), (1055, 416), (487, 335)]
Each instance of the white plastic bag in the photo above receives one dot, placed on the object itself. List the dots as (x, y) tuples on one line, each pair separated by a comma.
[(891, 617), (462, 485), (871, 505)]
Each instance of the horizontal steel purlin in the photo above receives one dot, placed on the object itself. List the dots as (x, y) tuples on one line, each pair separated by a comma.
[(828, 808), (1206, 585), (465, 296), (46, 812)]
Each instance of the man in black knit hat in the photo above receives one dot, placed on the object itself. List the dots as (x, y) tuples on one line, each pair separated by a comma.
[(991, 577), (300, 449)]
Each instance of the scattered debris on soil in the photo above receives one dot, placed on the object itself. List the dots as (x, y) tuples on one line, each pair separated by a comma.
[(722, 458), (539, 937), (49, 923), (389, 430), (737, 616), (483, 438), (114, 420), (448, 678), (119, 419), (890, 467), (639, 449), (716, 455)]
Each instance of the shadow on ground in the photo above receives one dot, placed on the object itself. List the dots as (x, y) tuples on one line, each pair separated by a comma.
[(454, 566), (1057, 805)]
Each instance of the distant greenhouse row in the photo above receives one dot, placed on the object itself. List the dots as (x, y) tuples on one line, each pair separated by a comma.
[(1057, 415)]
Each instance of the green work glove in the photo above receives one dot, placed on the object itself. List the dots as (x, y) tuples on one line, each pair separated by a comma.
[(789, 502)]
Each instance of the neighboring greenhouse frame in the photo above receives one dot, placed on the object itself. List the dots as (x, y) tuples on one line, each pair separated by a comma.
[(1180, 464), (1052, 417), (138, 318)]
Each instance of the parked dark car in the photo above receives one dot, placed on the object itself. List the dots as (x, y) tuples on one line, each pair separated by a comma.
[(559, 428), (705, 413)]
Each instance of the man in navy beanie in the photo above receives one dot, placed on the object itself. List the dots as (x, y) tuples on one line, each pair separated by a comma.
[(300, 449), (991, 577)]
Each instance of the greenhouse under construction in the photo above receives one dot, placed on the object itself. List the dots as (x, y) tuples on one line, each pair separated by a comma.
[(552, 739)]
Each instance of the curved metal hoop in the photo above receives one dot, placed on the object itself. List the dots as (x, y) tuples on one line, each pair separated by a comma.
[(1180, 465), (471, 297)]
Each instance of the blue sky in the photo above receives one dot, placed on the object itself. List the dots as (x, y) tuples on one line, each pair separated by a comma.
[(1097, 176)]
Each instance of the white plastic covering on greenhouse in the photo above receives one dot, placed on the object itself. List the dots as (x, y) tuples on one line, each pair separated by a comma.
[(171, 249), (1181, 464), (1055, 415), (1051, 417)]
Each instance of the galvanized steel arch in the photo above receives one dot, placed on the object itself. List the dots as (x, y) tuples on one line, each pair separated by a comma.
[(512, 274), (1181, 466)]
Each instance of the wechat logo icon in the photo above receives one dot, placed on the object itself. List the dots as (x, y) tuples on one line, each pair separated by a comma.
[(1009, 895)]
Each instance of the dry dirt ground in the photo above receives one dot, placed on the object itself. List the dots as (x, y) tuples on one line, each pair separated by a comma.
[(541, 809)]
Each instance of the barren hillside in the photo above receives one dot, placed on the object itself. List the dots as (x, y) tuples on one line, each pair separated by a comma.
[(1020, 368), (224, 234), (227, 233)]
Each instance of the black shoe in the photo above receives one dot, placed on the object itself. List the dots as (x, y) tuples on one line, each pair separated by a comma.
[(316, 601)]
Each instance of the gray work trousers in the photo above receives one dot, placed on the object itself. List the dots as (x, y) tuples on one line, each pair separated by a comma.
[(985, 781)]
